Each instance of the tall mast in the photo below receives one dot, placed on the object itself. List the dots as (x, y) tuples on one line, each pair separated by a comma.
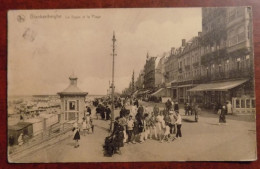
[(113, 85)]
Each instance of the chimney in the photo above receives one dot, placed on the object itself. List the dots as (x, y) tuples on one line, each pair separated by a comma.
[(183, 42), (172, 50), (199, 34)]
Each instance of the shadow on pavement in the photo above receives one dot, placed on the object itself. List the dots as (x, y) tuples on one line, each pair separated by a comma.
[(189, 120)]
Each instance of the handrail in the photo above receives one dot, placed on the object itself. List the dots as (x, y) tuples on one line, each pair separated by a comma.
[(41, 138)]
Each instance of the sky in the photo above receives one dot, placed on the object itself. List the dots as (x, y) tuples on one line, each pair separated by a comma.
[(45, 47)]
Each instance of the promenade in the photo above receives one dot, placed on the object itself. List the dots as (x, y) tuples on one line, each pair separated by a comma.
[(205, 140)]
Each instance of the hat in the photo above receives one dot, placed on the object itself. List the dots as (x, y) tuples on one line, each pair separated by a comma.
[(75, 125), (87, 113)]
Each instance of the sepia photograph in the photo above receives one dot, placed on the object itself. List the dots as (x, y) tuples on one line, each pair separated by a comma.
[(131, 85)]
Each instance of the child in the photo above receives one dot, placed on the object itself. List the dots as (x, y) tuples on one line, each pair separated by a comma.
[(160, 124), (166, 133), (130, 127), (76, 135)]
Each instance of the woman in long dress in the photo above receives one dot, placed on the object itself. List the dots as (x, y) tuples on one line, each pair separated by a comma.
[(84, 127)]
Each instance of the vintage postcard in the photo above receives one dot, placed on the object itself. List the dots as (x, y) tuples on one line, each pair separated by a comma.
[(130, 85)]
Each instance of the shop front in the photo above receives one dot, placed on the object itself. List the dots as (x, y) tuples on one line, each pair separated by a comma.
[(237, 92)]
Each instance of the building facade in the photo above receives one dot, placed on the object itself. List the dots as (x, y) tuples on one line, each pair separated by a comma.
[(171, 74), (152, 73), (226, 58), (188, 67)]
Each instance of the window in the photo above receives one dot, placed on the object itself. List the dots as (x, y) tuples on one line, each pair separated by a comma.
[(219, 68), (65, 105), (227, 66), (242, 103), (247, 61), (241, 35), (72, 105), (247, 103), (238, 64), (253, 103), (237, 103)]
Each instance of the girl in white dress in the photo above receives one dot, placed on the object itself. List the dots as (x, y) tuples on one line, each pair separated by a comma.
[(160, 124)]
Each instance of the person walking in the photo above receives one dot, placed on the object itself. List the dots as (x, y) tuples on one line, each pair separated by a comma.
[(178, 123), (186, 108), (76, 135), (130, 127), (84, 126), (222, 116), (141, 128), (196, 112), (176, 106), (168, 105), (108, 112), (172, 123), (156, 110)]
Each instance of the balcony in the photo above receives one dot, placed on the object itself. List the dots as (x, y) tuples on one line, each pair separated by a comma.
[(214, 57), (240, 48)]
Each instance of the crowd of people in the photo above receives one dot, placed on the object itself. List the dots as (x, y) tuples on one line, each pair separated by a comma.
[(141, 123)]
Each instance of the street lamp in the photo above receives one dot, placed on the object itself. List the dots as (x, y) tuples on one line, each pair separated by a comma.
[(113, 86)]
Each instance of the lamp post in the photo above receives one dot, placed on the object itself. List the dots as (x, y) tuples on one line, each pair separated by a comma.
[(113, 86)]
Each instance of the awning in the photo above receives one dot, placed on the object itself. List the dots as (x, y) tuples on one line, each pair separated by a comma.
[(135, 93), (219, 86), (169, 84), (188, 85), (159, 93), (144, 92)]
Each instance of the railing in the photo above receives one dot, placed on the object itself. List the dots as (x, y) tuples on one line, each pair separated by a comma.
[(46, 135), (243, 105)]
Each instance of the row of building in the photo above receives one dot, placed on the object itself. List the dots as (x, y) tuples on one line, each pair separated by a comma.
[(212, 68)]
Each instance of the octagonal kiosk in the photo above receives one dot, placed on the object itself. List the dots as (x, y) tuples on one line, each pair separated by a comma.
[(72, 101)]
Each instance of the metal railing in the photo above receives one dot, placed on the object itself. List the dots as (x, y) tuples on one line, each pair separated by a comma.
[(48, 134)]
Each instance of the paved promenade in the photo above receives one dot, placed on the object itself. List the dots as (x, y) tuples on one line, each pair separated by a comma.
[(205, 140)]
